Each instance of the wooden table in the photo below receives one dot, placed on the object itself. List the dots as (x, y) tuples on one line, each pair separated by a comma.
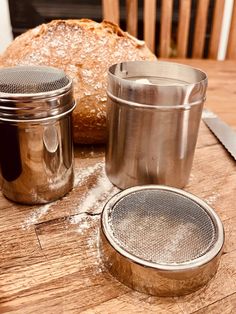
[(49, 254)]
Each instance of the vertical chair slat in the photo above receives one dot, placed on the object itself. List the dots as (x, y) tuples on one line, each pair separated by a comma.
[(216, 28), (183, 28), (231, 50), (200, 28), (132, 17), (166, 26), (150, 23), (111, 10)]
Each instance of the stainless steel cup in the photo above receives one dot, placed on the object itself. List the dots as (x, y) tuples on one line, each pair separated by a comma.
[(36, 151), (153, 117)]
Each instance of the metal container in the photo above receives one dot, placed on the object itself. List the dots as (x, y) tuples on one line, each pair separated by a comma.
[(160, 240), (36, 151), (153, 117)]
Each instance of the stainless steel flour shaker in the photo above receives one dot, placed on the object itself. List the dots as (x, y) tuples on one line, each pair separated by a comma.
[(153, 117), (36, 149)]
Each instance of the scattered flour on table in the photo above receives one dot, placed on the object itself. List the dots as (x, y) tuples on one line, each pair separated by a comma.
[(211, 200), (99, 193), (83, 174), (93, 245), (83, 221), (35, 216), (191, 179), (88, 226), (92, 201)]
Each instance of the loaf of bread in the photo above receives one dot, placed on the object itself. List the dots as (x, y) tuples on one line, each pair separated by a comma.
[(84, 49)]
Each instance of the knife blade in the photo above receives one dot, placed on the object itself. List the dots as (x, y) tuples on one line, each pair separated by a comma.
[(225, 134)]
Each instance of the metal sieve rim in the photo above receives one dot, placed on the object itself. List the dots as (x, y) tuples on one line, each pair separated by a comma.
[(194, 263), (37, 120), (33, 106), (37, 95)]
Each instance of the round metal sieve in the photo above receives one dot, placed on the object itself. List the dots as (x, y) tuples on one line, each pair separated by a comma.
[(31, 80), (34, 92), (161, 240)]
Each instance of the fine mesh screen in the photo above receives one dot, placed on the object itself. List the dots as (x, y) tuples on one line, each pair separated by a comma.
[(31, 79), (162, 227)]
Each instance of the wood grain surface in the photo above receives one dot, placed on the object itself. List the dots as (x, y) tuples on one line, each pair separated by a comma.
[(132, 17), (231, 49), (200, 28), (111, 10), (216, 29), (49, 260), (149, 22), (183, 28), (166, 27)]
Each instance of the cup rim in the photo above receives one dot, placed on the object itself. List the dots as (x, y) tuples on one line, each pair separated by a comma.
[(168, 63)]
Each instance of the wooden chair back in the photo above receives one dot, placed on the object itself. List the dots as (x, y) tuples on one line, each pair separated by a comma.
[(165, 47)]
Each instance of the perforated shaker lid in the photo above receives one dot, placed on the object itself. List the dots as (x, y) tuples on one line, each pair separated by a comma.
[(32, 92)]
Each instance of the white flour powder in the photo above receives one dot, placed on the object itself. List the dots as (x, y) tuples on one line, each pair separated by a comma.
[(88, 226), (93, 201), (211, 200), (84, 222), (83, 174), (98, 195), (35, 216)]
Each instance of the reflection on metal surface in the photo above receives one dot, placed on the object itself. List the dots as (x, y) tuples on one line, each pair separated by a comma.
[(10, 161), (51, 150)]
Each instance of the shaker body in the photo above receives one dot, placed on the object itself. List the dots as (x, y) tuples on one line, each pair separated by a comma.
[(37, 162), (36, 151)]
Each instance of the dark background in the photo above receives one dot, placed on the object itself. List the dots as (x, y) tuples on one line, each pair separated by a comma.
[(27, 14)]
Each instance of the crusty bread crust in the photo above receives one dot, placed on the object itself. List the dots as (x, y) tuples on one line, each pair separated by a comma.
[(84, 49)]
